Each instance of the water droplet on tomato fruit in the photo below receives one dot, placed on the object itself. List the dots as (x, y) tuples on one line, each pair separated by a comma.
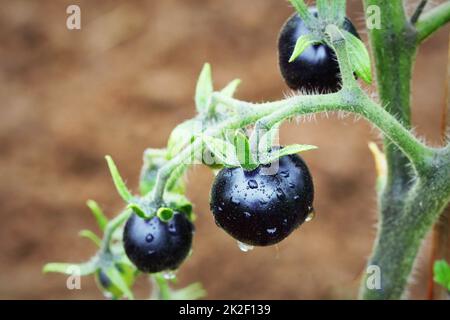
[(245, 247), (297, 197), (284, 174), (150, 252), (310, 216), (280, 194), (172, 229), (235, 201), (252, 184), (291, 185), (271, 231), (247, 214), (149, 238)]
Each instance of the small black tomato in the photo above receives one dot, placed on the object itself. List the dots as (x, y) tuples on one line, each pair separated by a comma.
[(261, 209), (316, 69), (154, 246)]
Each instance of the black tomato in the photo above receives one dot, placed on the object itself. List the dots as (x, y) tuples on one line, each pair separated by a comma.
[(316, 69), (154, 246), (262, 209)]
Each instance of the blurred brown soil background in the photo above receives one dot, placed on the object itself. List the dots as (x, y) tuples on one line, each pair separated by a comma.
[(119, 85)]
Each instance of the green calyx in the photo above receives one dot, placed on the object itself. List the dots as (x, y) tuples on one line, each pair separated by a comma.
[(250, 153)]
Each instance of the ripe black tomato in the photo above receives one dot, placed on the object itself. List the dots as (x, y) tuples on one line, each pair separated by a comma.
[(259, 209), (316, 69), (154, 246)]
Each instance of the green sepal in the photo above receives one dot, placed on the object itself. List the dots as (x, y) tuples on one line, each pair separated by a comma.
[(67, 268), (230, 89), (165, 214), (138, 210), (98, 214), (118, 181), (88, 234), (291, 149), (204, 89), (243, 151), (302, 43), (358, 56)]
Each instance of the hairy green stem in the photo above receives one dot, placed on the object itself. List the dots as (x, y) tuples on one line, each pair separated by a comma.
[(410, 201), (111, 227), (432, 21)]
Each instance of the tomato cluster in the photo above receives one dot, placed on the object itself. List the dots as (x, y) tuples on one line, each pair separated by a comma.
[(257, 207)]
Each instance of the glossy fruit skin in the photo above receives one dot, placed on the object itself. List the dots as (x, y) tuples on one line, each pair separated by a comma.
[(316, 69), (154, 246), (261, 210)]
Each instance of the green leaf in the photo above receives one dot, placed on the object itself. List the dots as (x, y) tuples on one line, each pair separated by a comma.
[(118, 181), (98, 214), (138, 210), (116, 278), (243, 152), (81, 269), (193, 291), (230, 88), (442, 273), (302, 43), (88, 234), (204, 89), (291, 149), (165, 214), (302, 10), (358, 56), (223, 151)]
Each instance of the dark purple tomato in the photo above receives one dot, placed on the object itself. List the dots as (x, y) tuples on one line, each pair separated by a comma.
[(154, 246), (262, 209), (316, 69)]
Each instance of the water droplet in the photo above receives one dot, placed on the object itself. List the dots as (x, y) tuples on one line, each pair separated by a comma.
[(172, 229), (150, 252), (235, 201), (220, 209), (253, 184), (284, 174), (271, 231), (149, 238), (291, 185), (297, 197), (262, 201), (169, 275), (280, 194), (310, 216), (244, 247), (285, 222), (247, 214)]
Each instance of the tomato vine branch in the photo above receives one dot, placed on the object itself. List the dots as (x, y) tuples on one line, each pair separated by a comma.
[(432, 20)]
